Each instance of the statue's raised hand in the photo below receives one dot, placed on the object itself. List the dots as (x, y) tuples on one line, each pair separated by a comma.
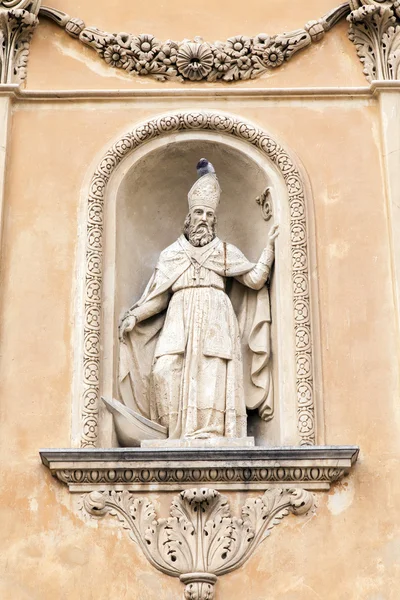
[(128, 322), (273, 234)]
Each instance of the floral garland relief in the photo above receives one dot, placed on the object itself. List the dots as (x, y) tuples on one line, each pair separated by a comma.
[(238, 58)]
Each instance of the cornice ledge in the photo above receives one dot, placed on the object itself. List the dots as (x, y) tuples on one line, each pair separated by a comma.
[(347, 93), (141, 469), (378, 86), (11, 90)]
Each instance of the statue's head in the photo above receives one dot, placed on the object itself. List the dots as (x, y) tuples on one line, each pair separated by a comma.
[(203, 198)]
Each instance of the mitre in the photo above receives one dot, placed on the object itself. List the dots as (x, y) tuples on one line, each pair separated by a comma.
[(206, 190)]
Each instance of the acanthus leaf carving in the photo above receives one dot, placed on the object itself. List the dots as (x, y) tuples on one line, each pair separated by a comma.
[(16, 29), (238, 58), (200, 540), (375, 31)]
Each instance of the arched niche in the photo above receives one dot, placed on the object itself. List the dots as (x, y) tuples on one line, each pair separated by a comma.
[(136, 207)]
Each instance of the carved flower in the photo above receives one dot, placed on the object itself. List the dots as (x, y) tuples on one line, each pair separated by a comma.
[(244, 63), (273, 57), (145, 67), (260, 43), (305, 423), (168, 53), (116, 56), (239, 45), (145, 47), (194, 60), (222, 61)]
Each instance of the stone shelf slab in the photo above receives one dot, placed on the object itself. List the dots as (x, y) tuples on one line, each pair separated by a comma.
[(176, 469)]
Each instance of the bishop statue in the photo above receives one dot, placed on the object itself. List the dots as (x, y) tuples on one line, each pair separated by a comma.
[(195, 349)]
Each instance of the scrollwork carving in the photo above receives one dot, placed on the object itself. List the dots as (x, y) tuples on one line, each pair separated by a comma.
[(238, 58), (200, 540), (265, 203)]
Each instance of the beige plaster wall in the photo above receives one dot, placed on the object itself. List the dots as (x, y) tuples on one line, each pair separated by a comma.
[(351, 549), (59, 62)]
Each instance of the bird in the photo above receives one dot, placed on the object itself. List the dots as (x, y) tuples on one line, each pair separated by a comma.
[(204, 167)]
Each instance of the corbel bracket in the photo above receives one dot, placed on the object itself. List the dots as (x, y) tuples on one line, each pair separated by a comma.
[(200, 540)]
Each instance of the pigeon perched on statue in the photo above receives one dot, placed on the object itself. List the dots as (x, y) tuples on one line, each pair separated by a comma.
[(204, 167)]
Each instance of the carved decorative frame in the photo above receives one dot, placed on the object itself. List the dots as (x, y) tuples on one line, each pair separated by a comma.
[(220, 123)]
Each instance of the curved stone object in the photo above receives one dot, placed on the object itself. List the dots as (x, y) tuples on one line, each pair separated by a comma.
[(131, 427)]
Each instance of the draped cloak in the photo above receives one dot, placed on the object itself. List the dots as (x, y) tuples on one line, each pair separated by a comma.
[(241, 343)]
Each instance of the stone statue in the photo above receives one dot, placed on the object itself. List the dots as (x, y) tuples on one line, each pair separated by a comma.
[(195, 349)]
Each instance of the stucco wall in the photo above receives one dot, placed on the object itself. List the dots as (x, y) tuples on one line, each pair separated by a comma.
[(350, 549)]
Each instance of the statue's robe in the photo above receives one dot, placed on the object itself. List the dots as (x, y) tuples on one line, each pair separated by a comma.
[(191, 363)]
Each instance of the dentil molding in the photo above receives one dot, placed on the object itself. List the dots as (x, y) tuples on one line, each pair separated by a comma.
[(239, 58), (200, 540)]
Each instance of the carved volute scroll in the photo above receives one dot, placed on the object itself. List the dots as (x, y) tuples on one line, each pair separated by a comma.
[(18, 19), (265, 203), (375, 31), (200, 540), (239, 58)]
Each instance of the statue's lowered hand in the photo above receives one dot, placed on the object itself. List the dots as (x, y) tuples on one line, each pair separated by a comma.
[(126, 326)]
